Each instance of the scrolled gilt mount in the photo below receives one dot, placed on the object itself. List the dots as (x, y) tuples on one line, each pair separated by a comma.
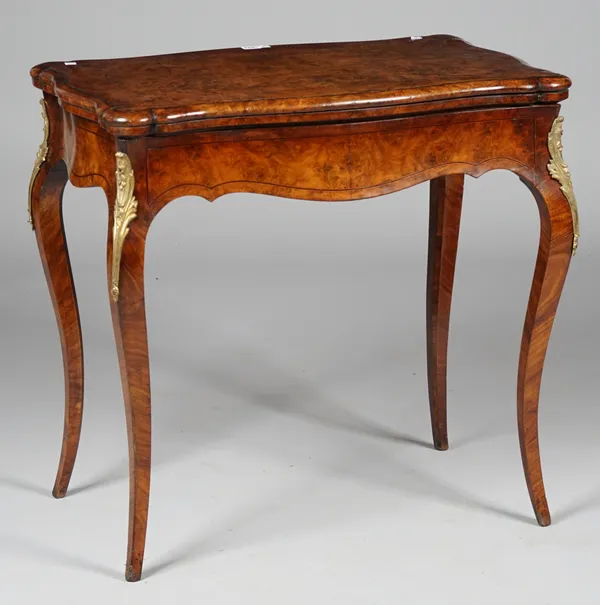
[(558, 169), (40, 158), (124, 212)]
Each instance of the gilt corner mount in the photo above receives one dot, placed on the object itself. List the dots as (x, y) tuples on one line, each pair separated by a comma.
[(558, 169), (40, 158), (124, 212)]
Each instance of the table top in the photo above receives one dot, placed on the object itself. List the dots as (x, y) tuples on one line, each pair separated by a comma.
[(293, 83)]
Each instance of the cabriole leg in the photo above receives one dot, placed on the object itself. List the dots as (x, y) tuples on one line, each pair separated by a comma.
[(47, 219), (445, 204), (127, 237), (554, 255)]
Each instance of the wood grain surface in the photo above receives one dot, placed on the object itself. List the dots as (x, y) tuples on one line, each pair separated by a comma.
[(141, 95)]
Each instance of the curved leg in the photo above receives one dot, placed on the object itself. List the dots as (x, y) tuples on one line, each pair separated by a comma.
[(46, 208), (554, 256), (445, 204), (126, 247)]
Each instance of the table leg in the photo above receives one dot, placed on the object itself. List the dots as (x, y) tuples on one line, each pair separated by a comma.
[(445, 204), (128, 229), (553, 259), (46, 208)]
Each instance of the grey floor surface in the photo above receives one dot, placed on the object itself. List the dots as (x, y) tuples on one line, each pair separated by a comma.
[(293, 459)]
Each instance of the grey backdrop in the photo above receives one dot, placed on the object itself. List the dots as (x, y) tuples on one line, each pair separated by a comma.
[(287, 341)]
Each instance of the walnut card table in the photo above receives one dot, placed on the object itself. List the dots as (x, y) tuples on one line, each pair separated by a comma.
[(323, 122)]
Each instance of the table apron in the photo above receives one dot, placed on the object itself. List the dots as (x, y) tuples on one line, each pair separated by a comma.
[(342, 166)]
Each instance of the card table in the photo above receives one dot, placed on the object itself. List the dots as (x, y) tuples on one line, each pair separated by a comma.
[(323, 122)]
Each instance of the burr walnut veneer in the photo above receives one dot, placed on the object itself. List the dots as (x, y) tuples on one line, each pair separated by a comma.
[(323, 122)]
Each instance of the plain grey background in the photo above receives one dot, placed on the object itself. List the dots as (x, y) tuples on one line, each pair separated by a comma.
[(291, 432)]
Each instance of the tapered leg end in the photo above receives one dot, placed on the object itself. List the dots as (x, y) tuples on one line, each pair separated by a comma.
[(544, 522), (59, 492), (439, 430), (441, 445), (543, 518), (133, 575)]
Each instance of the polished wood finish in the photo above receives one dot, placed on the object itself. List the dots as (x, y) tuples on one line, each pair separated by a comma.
[(445, 205), (391, 114), (307, 82)]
